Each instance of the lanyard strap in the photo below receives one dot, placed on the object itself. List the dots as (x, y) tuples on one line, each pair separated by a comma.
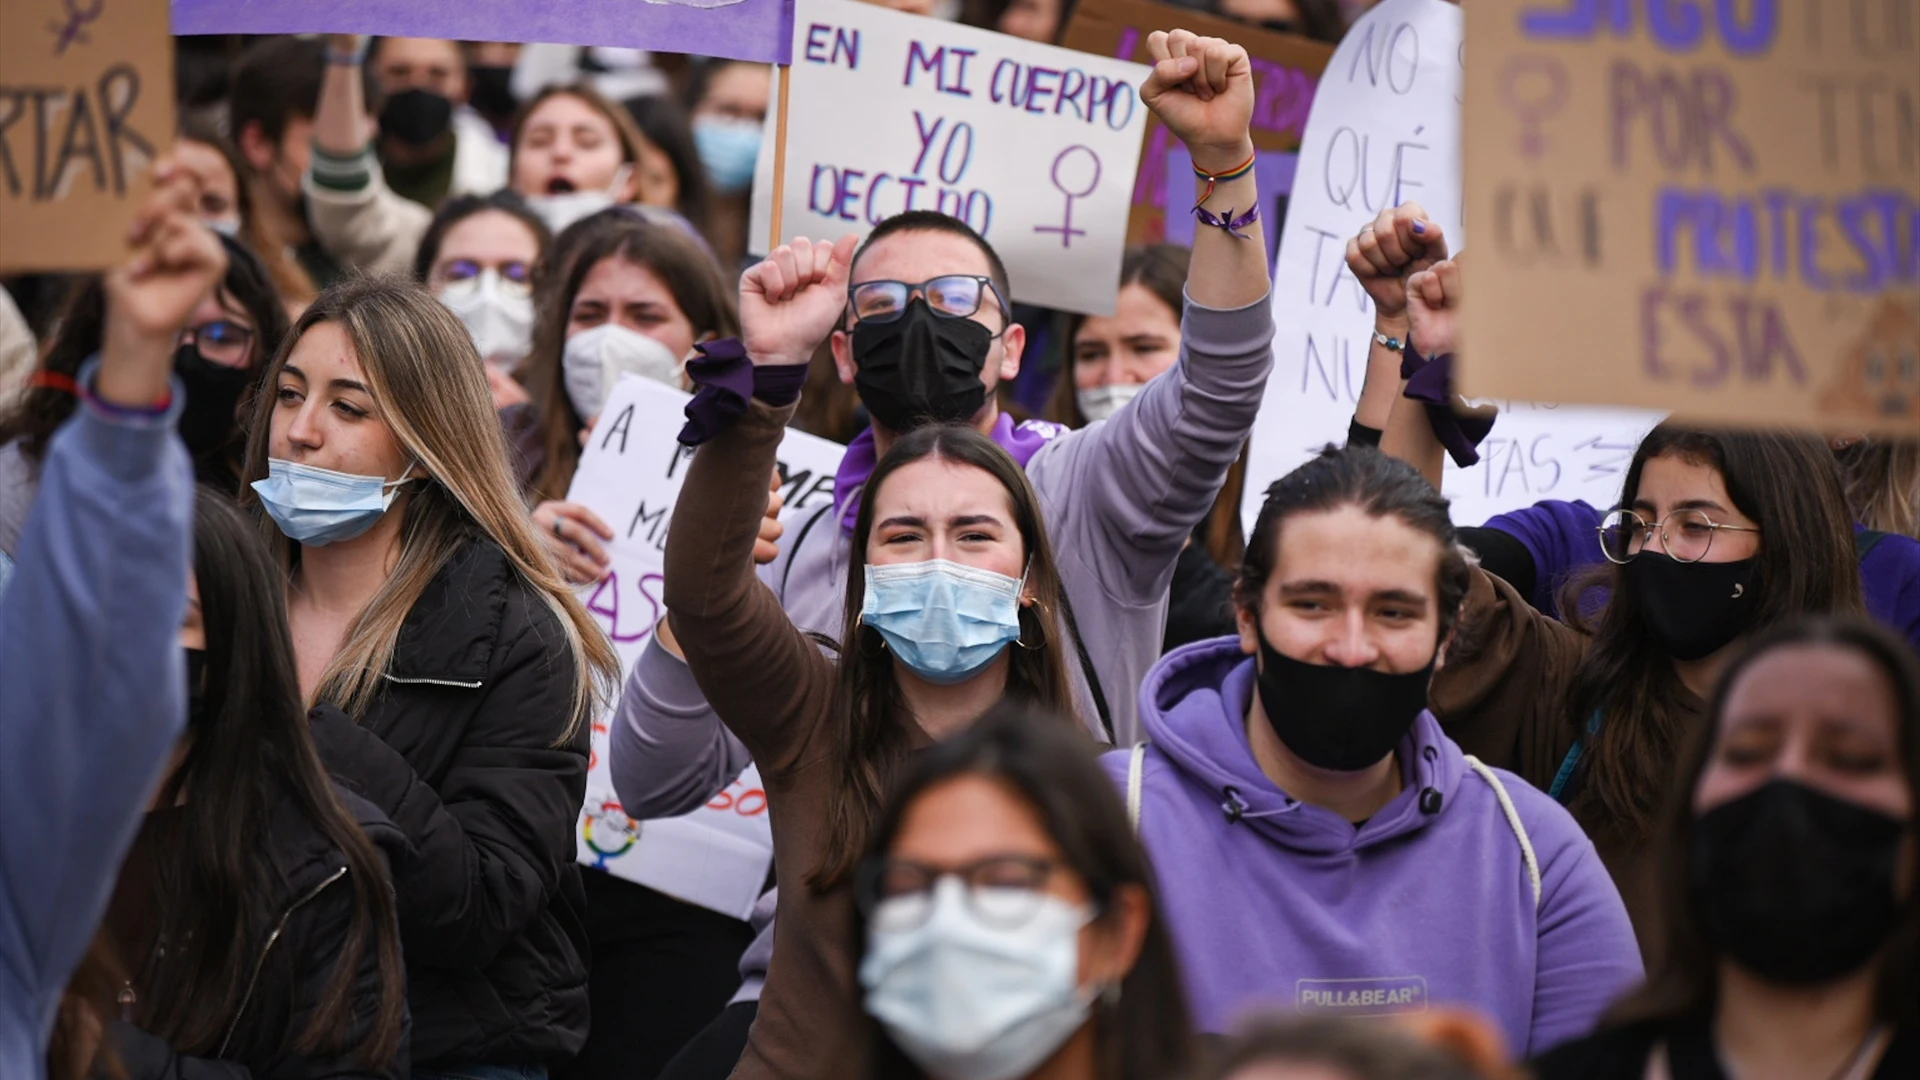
[(1579, 750)]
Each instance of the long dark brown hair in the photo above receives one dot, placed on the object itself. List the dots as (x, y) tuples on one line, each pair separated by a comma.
[(1146, 1034), (703, 293), (250, 754), (874, 740), (1786, 484), (1685, 980)]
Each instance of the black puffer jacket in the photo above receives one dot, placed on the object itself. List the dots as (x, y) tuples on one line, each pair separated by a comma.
[(310, 917), (459, 751)]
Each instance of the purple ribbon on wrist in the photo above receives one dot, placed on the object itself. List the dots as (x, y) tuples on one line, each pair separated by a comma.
[(725, 379), (1430, 382), (1232, 224)]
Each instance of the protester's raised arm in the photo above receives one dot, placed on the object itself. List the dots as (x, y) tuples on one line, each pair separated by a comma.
[(340, 116), (92, 695), (762, 674), (1201, 88), (1400, 242)]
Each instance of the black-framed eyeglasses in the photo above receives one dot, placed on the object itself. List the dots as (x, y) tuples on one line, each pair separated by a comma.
[(1686, 535), (1002, 891), (951, 296), (222, 341)]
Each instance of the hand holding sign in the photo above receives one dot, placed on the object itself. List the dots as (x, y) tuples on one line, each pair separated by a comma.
[(176, 263), (1401, 241), (1433, 307), (791, 300), (1202, 90)]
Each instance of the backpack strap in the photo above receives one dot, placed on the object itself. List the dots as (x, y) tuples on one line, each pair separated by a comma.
[(1136, 782), (1864, 543), (1513, 822), (1086, 667)]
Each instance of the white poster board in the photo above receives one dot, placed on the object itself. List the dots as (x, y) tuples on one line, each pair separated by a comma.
[(1033, 145), (630, 474), (1384, 130)]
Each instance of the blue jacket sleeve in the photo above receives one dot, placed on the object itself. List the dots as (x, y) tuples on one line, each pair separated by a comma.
[(1563, 538), (92, 696)]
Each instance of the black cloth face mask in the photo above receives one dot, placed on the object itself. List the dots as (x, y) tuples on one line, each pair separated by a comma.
[(208, 421), (1793, 884), (920, 368), (1693, 609), (492, 90), (1339, 718), (416, 117)]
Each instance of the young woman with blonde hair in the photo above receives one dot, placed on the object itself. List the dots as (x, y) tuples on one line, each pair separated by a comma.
[(463, 670)]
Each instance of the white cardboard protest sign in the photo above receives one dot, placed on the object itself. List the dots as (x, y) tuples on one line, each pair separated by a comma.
[(630, 474), (1033, 145), (1385, 129)]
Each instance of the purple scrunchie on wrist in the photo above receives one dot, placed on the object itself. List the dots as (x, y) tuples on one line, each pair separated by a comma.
[(724, 379), (1430, 382)]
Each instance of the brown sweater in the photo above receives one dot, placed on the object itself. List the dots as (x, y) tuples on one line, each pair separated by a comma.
[(774, 688), (1502, 695)]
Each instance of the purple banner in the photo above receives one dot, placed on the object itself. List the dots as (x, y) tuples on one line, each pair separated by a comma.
[(1272, 173), (759, 30)]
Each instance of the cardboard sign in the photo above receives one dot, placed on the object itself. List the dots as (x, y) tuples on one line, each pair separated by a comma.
[(630, 474), (1285, 70), (758, 30), (1385, 130), (1713, 208), (1032, 145), (86, 104)]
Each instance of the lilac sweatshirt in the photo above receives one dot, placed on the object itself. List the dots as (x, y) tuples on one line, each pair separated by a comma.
[(1563, 539), (92, 696), (1120, 496), (1277, 903)]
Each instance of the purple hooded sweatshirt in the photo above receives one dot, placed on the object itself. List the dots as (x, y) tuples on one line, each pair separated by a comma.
[(1278, 904), (1563, 538)]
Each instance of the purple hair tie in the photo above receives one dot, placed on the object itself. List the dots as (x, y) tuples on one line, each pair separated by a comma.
[(1430, 382), (725, 379), (1232, 224)]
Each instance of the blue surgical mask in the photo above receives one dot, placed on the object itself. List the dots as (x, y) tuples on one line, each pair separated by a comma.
[(943, 620), (315, 506), (728, 148), (970, 1001)]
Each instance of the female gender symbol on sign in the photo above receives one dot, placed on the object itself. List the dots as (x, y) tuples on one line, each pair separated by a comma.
[(1065, 228)]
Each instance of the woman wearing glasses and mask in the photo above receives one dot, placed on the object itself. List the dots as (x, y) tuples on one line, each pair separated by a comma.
[(1720, 535), (219, 360), (1009, 919), (479, 258)]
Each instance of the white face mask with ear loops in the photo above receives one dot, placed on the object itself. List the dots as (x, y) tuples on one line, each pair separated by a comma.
[(970, 1001), (594, 360)]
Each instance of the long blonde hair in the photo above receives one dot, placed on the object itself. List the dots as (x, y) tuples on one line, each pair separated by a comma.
[(1883, 483), (426, 382)]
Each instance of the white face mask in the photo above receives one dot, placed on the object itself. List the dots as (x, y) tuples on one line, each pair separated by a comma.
[(498, 313), (560, 211), (1102, 402), (969, 1001), (595, 359)]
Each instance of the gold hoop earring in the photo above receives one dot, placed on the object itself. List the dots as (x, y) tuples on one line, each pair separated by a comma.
[(1039, 627)]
